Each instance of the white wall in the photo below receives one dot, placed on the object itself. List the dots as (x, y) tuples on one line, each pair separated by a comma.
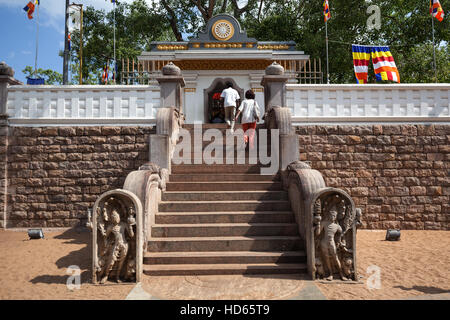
[(82, 105), (368, 103)]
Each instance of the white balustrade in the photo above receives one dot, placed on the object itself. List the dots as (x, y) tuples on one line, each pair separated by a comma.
[(368, 103), (82, 105)]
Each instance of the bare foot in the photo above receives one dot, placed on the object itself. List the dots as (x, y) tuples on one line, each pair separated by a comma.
[(104, 279), (330, 278)]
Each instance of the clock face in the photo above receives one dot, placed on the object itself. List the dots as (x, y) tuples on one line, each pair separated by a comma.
[(222, 30)]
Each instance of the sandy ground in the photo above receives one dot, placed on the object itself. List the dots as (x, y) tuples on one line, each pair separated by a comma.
[(418, 264), (37, 269)]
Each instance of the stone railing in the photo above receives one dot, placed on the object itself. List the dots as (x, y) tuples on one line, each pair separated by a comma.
[(368, 103), (86, 105)]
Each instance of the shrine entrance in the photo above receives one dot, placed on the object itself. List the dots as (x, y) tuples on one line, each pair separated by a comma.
[(214, 112)]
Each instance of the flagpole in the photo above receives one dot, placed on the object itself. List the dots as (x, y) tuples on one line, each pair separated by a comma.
[(434, 50), (326, 38), (114, 74), (66, 47), (37, 43)]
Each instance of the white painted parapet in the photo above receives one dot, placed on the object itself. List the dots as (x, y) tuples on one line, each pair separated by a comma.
[(368, 103), (82, 105)]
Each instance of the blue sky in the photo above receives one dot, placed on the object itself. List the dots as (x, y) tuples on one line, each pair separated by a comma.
[(18, 35)]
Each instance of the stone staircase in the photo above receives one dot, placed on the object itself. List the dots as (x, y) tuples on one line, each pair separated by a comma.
[(224, 219)]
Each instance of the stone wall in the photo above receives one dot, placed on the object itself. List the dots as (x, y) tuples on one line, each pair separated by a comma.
[(56, 173), (398, 174)]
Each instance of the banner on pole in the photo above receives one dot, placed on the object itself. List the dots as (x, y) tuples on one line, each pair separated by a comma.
[(29, 9), (436, 10), (326, 11), (361, 60), (383, 63)]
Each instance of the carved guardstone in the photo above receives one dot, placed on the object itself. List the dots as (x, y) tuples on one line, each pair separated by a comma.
[(335, 220), (117, 237), (327, 220)]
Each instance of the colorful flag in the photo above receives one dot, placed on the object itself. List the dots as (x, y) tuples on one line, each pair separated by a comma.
[(29, 8), (105, 74), (361, 60), (384, 64), (38, 2), (69, 38), (436, 10), (326, 11)]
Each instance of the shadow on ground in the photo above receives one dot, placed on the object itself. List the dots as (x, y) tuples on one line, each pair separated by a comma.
[(80, 258), (424, 289)]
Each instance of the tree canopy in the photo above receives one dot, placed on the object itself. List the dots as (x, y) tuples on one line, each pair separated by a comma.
[(405, 25)]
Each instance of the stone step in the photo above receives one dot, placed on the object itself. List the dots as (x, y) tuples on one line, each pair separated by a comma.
[(221, 269), (224, 217), (248, 243), (224, 257), (221, 177), (225, 186), (217, 169), (224, 230), (202, 206), (223, 195)]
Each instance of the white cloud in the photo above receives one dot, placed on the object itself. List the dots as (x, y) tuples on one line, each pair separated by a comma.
[(26, 52)]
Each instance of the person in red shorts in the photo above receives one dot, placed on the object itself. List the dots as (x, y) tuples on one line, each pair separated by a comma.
[(250, 116)]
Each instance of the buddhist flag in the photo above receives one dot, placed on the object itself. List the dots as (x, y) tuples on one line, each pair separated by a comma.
[(326, 10), (38, 2), (384, 64), (361, 60), (69, 38), (29, 8), (436, 10)]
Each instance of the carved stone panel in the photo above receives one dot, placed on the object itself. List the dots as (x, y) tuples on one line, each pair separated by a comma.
[(117, 237), (335, 220)]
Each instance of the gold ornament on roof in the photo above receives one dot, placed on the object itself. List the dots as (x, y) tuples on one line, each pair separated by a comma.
[(223, 30)]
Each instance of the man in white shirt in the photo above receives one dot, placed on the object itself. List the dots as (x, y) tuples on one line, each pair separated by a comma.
[(230, 99)]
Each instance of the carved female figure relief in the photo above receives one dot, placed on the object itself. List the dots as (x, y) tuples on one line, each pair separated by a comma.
[(116, 241), (333, 221), (327, 231)]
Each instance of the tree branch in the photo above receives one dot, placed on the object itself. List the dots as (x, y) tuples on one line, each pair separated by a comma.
[(224, 6), (173, 21)]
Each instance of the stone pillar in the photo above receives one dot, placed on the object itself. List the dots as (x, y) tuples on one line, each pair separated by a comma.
[(162, 144), (6, 79), (274, 83), (171, 83)]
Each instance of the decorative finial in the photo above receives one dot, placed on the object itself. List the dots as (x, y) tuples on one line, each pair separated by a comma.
[(275, 69), (171, 69)]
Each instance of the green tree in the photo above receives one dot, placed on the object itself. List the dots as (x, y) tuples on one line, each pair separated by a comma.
[(137, 25), (51, 77), (405, 26)]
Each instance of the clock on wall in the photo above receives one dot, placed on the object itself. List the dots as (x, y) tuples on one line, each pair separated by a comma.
[(222, 30)]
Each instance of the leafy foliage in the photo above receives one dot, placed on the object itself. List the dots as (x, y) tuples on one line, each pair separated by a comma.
[(51, 77), (405, 27)]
